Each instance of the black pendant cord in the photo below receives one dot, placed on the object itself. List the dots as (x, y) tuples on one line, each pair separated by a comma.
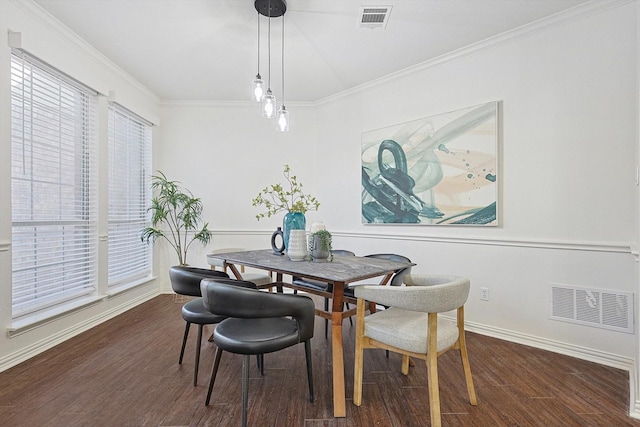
[(258, 76), (282, 60), (269, 47)]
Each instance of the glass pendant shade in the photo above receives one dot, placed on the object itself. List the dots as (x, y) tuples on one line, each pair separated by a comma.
[(282, 120), (269, 105), (258, 88)]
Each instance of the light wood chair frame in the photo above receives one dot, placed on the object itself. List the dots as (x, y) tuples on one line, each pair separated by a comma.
[(431, 358)]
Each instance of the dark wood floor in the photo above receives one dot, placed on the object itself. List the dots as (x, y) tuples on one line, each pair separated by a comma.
[(125, 373)]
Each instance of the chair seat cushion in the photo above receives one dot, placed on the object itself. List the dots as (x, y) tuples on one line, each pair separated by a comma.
[(408, 330), (312, 284), (195, 312), (256, 336)]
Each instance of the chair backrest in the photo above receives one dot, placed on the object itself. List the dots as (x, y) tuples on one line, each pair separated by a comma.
[(342, 252), (186, 280), (397, 278), (232, 282), (233, 301), (425, 293)]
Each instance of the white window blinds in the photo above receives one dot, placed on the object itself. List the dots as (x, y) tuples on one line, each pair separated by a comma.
[(53, 187), (129, 195)]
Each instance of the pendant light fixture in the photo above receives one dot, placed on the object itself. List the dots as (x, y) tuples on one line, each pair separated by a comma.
[(282, 117), (270, 9), (269, 99), (258, 83)]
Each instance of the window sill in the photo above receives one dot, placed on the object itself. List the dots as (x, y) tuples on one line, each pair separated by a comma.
[(119, 289), (30, 322), (33, 321)]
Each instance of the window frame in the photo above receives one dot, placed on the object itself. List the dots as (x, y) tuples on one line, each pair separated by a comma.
[(54, 181)]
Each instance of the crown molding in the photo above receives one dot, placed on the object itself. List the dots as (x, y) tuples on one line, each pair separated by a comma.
[(213, 103), (575, 13), (43, 17)]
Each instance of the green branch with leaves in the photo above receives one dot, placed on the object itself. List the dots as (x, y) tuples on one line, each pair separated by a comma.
[(276, 199)]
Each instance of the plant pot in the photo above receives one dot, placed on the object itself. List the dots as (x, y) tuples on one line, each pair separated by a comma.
[(292, 221), (321, 250), (297, 249)]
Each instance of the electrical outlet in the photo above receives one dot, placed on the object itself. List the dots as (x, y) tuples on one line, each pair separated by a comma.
[(484, 294)]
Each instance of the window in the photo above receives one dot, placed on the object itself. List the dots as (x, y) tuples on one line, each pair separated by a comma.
[(53, 187), (129, 195)]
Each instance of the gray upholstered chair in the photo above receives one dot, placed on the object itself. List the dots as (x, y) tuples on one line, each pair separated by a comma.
[(395, 280), (258, 322), (411, 326)]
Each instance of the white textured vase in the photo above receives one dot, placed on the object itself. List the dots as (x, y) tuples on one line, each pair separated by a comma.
[(297, 249)]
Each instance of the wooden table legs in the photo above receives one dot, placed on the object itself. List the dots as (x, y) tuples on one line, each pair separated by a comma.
[(339, 402)]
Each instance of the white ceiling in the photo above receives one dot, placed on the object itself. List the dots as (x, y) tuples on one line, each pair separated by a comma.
[(207, 49)]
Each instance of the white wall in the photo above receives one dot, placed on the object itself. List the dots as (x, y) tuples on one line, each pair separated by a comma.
[(44, 37), (568, 200), (567, 176), (233, 153)]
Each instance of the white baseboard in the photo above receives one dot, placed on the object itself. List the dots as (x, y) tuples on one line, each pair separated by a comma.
[(591, 355), (635, 410), (38, 347), (596, 356)]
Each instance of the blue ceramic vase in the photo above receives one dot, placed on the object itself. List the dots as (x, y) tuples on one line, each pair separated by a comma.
[(292, 221)]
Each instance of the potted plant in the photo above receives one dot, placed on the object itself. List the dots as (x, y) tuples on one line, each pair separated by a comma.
[(180, 212), (275, 198), (320, 246)]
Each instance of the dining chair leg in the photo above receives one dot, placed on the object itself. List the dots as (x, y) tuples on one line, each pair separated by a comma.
[(432, 370), (184, 342), (214, 372), (307, 353), (260, 362), (465, 357), (198, 346), (245, 388), (326, 321), (359, 356)]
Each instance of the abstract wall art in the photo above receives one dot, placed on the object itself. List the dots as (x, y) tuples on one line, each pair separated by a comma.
[(439, 170)]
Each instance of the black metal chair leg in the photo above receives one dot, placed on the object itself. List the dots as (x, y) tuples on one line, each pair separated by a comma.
[(245, 388), (307, 353), (326, 321), (198, 345), (214, 372), (184, 342), (260, 360)]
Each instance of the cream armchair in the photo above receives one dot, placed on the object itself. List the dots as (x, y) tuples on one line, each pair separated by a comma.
[(411, 326)]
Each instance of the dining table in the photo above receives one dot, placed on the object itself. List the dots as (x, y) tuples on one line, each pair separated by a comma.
[(337, 273)]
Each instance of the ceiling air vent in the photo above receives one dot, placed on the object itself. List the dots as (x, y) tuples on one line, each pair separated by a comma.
[(374, 16)]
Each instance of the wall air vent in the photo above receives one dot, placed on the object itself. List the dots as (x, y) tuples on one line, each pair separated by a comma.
[(600, 308), (374, 16)]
